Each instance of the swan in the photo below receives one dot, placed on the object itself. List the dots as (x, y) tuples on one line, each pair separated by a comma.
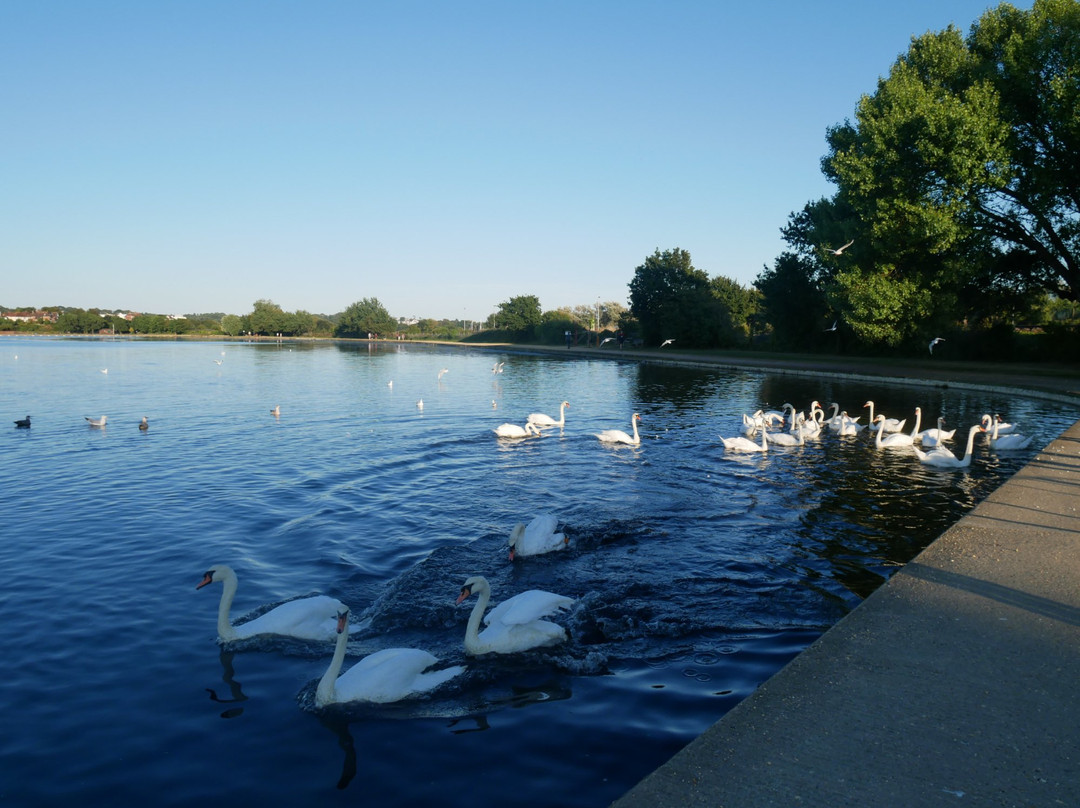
[(834, 421), (618, 436), (778, 416), (786, 438), (752, 423), (305, 618), (897, 440), (1002, 427), (888, 424), (386, 676), (849, 425), (932, 437), (96, 421), (544, 421), (538, 538), (741, 444), (943, 458), (515, 431), (515, 624), (1013, 440)]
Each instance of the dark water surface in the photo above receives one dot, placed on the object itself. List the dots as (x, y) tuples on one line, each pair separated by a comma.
[(696, 574)]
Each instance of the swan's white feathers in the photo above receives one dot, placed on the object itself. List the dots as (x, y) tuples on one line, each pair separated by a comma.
[(537, 538), (392, 675)]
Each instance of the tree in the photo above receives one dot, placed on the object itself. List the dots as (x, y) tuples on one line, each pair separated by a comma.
[(741, 303), (520, 314), (365, 317), (231, 325), (671, 300), (959, 179), (793, 303), (267, 318)]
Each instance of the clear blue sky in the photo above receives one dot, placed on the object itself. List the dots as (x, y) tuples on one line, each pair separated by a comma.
[(443, 157)]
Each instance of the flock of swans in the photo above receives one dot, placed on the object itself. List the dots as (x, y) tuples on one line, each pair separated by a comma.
[(786, 427), (393, 674), (537, 422)]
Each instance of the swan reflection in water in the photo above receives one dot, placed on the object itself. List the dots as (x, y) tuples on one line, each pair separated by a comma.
[(228, 676)]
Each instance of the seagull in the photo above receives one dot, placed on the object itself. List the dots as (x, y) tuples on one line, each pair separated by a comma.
[(493, 404), (390, 384), (666, 342), (23, 423), (143, 425), (605, 341), (839, 250), (934, 342), (104, 370), (96, 421), (833, 326), (497, 367), (420, 405), (444, 370), (276, 411), (218, 361)]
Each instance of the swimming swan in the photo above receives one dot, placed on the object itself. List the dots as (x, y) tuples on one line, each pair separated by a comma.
[(515, 431), (515, 624), (306, 618), (538, 538), (888, 424), (741, 444), (538, 419), (618, 436), (386, 676), (943, 458), (1014, 440), (897, 440)]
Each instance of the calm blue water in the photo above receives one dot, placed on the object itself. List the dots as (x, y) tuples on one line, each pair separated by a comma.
[(697, 575)]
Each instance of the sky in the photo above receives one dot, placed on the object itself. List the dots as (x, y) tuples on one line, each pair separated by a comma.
[(442, 157)]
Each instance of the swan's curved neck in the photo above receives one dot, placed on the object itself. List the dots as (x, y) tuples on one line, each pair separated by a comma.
[(918, 418), (472, 631), (228, 592), (633, 422), (970, 447), (324, 694)]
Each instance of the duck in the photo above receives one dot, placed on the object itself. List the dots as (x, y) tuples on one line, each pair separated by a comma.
[(943, 458), (543, 421), (144, 424), (23, 423), (618, 436), (383, 677), (311, 618), (514, 625), (537, 538), (515, 431)]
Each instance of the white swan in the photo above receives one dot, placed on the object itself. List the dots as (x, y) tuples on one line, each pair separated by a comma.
[(306, 618), (389, 675), (618, 436), (741, 444), (538, 538), (786, 438), (544, 421), (1013, 440), (515, 431), (897, 440), (1003, 427), (943, 458), (888, 424), (932, 437), (752, 423), (515, 624), (849, 426)]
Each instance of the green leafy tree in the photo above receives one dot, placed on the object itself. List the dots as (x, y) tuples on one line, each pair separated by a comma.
[(519, 314), (671, 300), (267, 318), (792, 302), (367, 316), (741, 303), (232, 325)]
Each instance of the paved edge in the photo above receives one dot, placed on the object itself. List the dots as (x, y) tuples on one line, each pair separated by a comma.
[(953, 683)]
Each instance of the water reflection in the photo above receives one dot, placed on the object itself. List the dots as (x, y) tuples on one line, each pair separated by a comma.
[(228, 676)]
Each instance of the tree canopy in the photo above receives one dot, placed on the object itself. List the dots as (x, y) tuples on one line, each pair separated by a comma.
[(958, 182), (520, 314), (367, 316)]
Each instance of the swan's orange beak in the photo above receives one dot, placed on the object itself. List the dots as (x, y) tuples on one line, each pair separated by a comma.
[(342, 619), (465, 592), (511, 553), (207, 579)]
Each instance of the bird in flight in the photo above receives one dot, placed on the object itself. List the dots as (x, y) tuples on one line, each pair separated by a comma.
[(605, 341), (839, 250), (833, 326), (666, 342), (934, 342)]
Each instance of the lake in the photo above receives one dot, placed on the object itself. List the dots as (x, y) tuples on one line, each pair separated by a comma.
[(696, 574)]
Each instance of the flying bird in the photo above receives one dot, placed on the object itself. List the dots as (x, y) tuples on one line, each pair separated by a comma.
[(839, 250), (605, 341), (218, 361), (666, 342), (934, 342), (444, 370), (833, 326)]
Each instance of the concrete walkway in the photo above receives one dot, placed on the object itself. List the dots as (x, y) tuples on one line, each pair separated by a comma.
[(954, 684)]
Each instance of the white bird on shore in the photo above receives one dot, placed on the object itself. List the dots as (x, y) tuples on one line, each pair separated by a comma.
[(934, 342), (839, 250), (96, 421), (383, 677)]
